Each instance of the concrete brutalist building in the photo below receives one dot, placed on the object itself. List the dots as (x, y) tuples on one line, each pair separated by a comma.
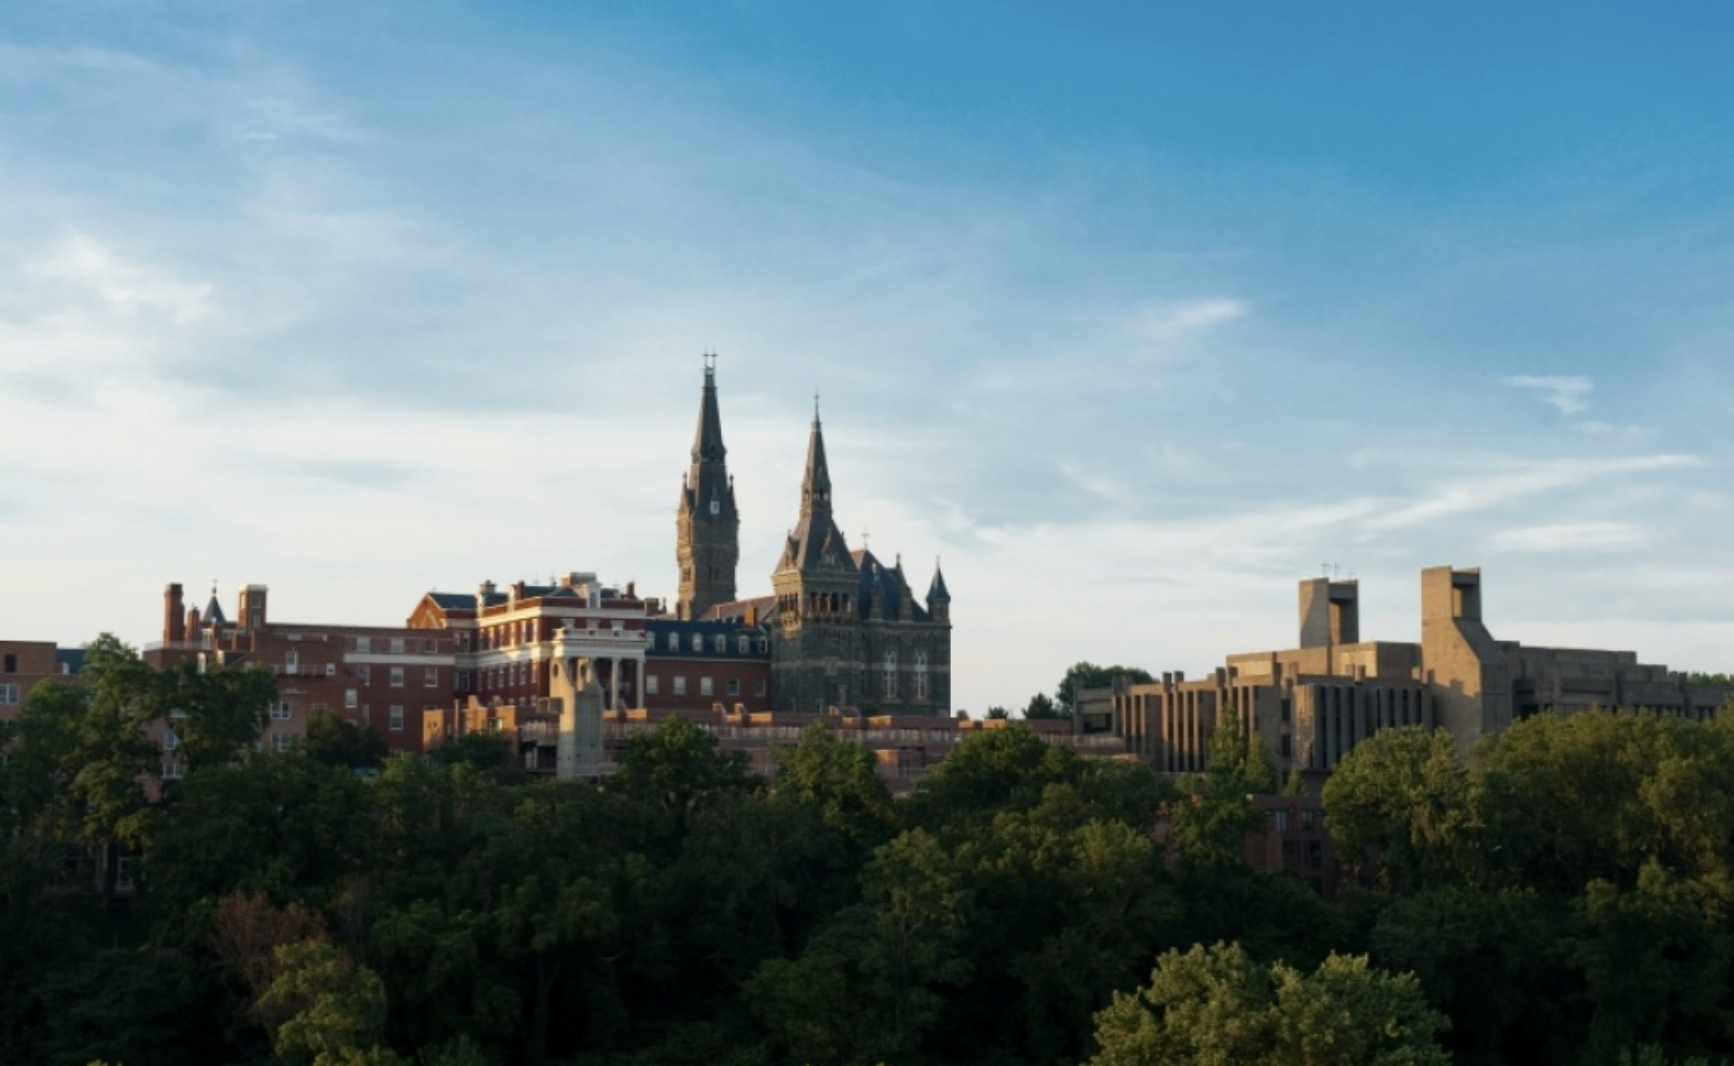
[(1312, 704)]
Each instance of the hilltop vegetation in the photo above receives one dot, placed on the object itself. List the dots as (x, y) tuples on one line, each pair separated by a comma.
[(1566, 900)]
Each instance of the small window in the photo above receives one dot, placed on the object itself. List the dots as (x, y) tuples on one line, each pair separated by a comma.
[(734, 686), (330, 669), (280, 741), (351, 699), (746, 645), (704, 688), (396, 720), (428, 645), (291, 662), (365, 673), (11, 663), (674, 642), (397, 645), (680, 684), (463, 680), (171, 741), (8, 695), (431, 677), (173, 770), (759, 689), (280, 712), (721, 644), (397, 677), (363, 643), (652, 685)]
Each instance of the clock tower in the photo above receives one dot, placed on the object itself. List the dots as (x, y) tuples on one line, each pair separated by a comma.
[(708, 546)]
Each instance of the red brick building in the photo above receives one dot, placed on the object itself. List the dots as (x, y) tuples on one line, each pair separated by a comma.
[(382, 678), (25, 663)]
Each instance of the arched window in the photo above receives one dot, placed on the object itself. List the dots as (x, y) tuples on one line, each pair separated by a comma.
[(890, 675), (920, 675)]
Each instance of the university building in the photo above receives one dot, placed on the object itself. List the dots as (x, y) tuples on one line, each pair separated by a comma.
[(26, 663), (1312, 704), (382, 678)]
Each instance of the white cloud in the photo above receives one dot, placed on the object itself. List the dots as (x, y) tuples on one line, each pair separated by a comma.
[(1485, 491), (1569, 536), (1564, 393), (1168, 323), (127, 287)]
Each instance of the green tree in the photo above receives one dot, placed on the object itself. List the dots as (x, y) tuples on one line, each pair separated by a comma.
[(676, 768), (1600, 796), (279, 825), (324, 1009), (491, 754), (337, 742), (1089, 675), (841, 778), (1403, 796), (1041, 707), (1217, 1005), (989, 771), (1211, 821), (217, 715), (90, 741)]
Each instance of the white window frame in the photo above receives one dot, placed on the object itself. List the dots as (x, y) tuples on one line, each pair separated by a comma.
[(394, 720), (397, 677)]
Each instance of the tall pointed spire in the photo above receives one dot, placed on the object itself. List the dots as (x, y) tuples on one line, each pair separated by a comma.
[(707, 442), (816, 485), (708, 524)]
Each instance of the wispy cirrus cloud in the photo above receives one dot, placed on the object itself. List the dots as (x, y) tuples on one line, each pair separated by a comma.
[(1169, 322), (1570, 536), (1564, 393), (1486, 491)]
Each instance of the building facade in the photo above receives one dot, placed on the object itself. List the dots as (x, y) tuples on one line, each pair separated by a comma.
[(1311, 705), (847, 630), (26, 663), (382, 678)]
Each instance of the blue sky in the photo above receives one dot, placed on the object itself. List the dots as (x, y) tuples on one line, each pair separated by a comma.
[(1134, 314)]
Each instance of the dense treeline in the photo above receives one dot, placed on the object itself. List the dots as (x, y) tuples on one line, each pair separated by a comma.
[(1565, 901)]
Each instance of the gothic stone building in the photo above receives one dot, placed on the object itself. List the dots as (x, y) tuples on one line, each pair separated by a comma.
[(845, 630)]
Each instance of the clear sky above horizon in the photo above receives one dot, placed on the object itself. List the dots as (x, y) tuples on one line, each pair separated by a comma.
[(1135, 314)]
